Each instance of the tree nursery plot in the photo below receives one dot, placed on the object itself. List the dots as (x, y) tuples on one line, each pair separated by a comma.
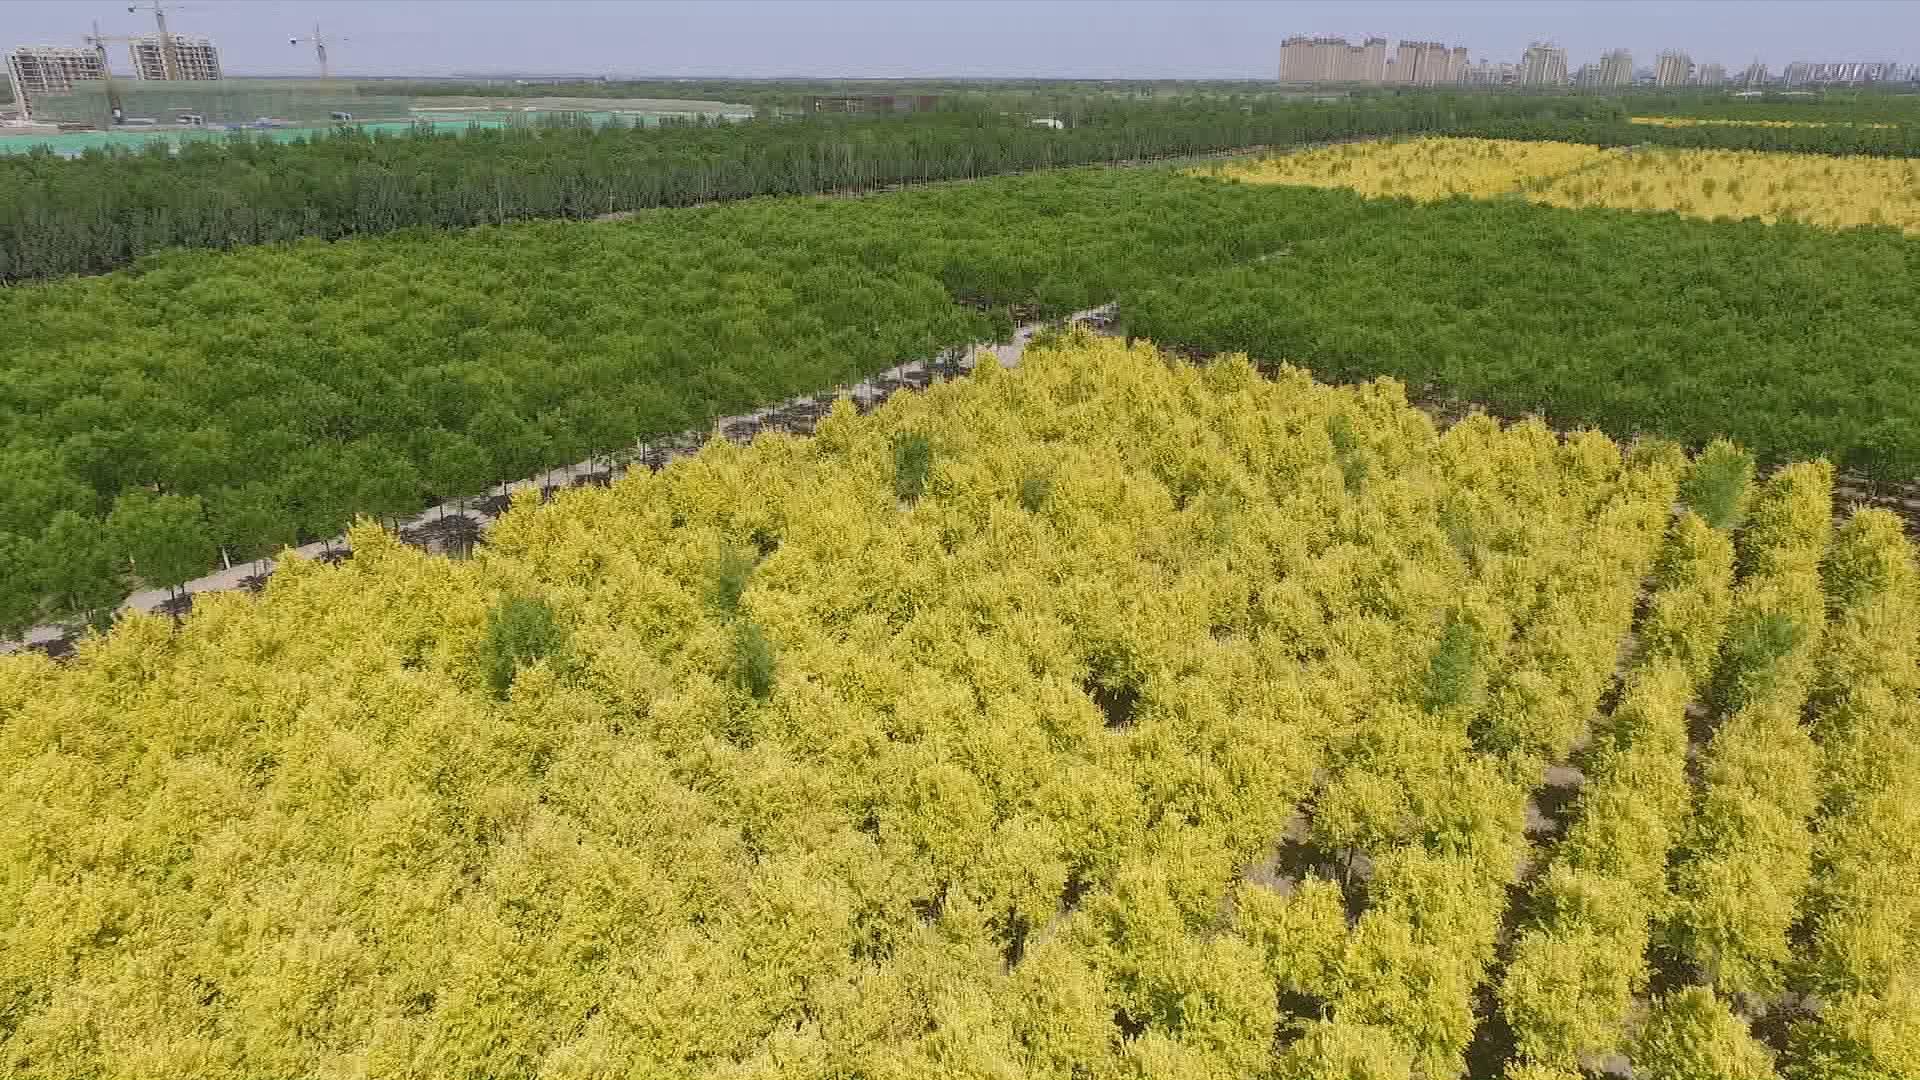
[(1698, 121), (1838, 192), (1108, 717), (1794, 339), (1422, 169)]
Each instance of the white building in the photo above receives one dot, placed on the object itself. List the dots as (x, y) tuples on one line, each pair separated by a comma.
[(1802, 73), (1672, 69), (1486, 73), (1333, 60), (1543, 64), (1616, 68)]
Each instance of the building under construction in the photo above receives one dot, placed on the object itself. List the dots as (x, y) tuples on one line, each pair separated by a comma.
[(173, 57), (39, 70)]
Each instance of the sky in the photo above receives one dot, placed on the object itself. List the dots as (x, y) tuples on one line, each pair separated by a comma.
[(1232, 39)]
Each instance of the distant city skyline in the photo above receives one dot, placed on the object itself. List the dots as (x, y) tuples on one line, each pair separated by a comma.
[(1223, 39)]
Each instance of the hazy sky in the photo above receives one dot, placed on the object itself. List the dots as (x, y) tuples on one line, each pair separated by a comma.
[(1086, 38)]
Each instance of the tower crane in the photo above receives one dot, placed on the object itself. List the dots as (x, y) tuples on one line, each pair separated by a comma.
[(169, 59), (319, 41), (99, 43)]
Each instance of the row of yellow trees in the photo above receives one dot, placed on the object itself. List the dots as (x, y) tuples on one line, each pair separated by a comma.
[(1837, 192)]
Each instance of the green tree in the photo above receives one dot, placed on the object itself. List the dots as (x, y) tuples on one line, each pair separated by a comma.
[(250, 521), (912, 461), (521, 630), (1716, 487), (80, 566), (754, 661), (19, 586), (164, 537)]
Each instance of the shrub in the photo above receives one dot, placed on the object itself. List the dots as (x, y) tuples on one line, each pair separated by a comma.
[(1693, 1036)]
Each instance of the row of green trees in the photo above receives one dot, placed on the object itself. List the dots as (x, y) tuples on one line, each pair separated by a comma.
[(108, 208)]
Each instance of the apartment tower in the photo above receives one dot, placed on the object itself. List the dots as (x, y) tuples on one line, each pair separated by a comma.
[(1331, 60), (1672, 69), (1543, 64), (1616, 68)]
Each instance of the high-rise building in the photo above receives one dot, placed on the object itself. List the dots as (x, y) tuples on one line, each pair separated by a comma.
[(1373, 60), (1613, 69), (1711, 75), (175, 56), (1486, 73), (35, 70), (1755, 75), (1672, 69), (1543, 64), (1616, 68), (1332, 60), (1427, 63), (1801, 73)]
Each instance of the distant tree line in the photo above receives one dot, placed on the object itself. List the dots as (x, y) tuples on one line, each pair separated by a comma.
[(109, 208), (1854, 105)]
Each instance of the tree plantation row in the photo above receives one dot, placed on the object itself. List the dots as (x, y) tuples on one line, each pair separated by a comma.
[(1833, 105), (1864, 138), (1109, 717), (107, 209), (250, 399), (1816, 189)]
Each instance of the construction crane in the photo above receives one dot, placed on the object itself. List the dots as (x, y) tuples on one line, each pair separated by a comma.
[(99, 43), (319, 41), (169, 59)]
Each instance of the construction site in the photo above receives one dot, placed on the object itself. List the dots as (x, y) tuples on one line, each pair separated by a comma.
[(173, 82), (172, 87)]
